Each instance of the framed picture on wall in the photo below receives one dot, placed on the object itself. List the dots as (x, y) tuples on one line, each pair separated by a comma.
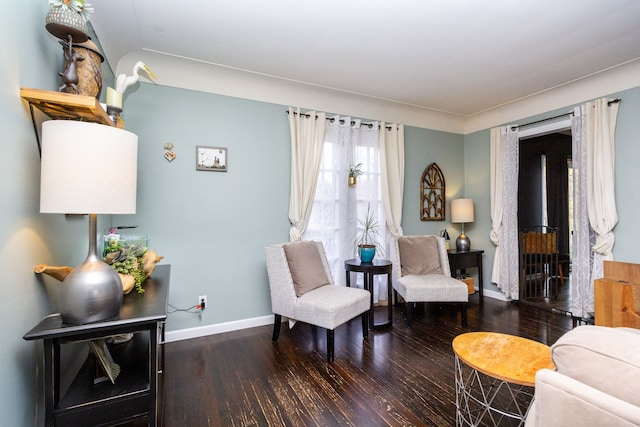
[(211, 158)]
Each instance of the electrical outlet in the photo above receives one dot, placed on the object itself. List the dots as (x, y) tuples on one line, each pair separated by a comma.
[(202, 301)]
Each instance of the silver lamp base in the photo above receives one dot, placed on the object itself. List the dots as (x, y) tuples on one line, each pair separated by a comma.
[(462, 243), (93, 290)]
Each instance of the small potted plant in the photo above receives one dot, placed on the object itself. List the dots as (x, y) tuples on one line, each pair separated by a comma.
[(366, 242), (68, 19), (354, 172)]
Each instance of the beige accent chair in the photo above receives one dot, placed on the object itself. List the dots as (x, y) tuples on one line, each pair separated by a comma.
[(596, 381), (302, 289), (421, 273)]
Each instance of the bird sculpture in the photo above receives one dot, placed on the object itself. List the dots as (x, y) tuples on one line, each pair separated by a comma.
[(114, 96), (123, 81)]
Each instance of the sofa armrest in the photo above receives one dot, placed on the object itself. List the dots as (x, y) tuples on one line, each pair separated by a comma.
[(561, 401)]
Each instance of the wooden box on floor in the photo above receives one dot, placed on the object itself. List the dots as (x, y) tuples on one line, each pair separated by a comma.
[(470, 284), (617, 295)]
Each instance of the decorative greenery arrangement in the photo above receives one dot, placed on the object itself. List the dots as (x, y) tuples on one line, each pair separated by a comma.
[(78, 6), (127, 260), (370, 233), (354, 170)]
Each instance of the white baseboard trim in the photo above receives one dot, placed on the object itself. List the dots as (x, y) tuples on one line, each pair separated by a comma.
[(236, 325), (495, 295), (219, 328)]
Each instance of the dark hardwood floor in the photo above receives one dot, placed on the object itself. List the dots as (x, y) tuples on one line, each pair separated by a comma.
[(395, 377)]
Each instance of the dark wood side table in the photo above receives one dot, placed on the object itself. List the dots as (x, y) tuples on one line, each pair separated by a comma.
[(460, 261), (370, 269), (136, 390)]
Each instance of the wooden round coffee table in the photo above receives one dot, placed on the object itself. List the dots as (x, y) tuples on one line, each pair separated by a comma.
[(495, 376)]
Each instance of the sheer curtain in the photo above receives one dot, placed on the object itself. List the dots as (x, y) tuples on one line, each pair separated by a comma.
[(504, 209), (593, 129), (337, 207), (307, 137)]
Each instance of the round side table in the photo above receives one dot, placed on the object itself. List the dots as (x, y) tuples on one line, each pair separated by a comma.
[(370, 269), (495, 376)]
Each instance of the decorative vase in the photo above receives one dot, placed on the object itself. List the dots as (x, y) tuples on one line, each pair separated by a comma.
[(352, 180), (366, 253)]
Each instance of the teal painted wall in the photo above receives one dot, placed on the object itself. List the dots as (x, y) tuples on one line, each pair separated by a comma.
[(211, 226), (423, 147), (30, 58), (627, 177)]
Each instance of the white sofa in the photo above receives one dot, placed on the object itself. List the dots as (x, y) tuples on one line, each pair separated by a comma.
[(596, 381)]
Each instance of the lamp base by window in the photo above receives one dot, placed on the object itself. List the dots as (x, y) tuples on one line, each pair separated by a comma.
[(462, 243)]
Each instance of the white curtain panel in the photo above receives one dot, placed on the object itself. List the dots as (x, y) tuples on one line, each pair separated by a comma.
[(329, 221), (337, 207), (595, 215), (603, 216), (391, 144), (504, 209), (307, 137)]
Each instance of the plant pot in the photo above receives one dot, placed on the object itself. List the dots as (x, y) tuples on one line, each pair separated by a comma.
[(63, 22), (352, 180), (366, 253)]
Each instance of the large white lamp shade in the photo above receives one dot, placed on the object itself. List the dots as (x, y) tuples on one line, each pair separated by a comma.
[(88, 168)]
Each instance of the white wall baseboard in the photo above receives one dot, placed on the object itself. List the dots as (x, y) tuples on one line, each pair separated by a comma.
[(219, 328), (495, 295)]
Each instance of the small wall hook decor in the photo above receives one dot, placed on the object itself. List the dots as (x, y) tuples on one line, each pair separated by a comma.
[(169, 154)]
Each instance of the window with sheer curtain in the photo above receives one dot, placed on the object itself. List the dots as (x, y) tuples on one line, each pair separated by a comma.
[(338, 206)]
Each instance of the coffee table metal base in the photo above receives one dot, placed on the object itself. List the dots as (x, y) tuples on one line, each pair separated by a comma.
[(484, 400)]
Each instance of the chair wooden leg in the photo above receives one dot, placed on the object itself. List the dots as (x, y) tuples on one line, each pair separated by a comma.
[(365, 323), (277, 321), (409, 309), (463, 314), (329, 345)]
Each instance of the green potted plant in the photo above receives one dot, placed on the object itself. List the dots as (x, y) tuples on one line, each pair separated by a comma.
[(354, 172), (367, 239)]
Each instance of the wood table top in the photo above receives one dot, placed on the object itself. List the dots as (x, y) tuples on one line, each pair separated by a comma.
[(505, 357)]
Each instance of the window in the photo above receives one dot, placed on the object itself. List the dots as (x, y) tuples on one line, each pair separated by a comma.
[(337, 206)]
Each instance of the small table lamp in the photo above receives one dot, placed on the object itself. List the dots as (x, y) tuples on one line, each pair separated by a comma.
[(461, 212), (88, 168)]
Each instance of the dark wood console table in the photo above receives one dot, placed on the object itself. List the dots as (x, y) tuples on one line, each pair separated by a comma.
[(136, 390), (370, 269), (460, 261)]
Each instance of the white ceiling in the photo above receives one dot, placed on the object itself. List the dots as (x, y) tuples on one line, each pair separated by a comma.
[(462, 57)]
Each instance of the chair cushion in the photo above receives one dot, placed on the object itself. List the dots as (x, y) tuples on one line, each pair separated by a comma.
[(305, 265), (331, 306), (431, 288), (419, 255), (607, 359)]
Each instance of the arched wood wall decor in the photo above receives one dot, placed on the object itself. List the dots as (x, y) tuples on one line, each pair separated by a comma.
[(432, 194)]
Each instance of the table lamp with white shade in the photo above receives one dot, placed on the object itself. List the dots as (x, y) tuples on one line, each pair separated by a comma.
[(88, 168), (461, 212)]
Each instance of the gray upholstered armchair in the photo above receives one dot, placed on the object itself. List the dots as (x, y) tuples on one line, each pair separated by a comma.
[(421, 273), (302, 289)]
